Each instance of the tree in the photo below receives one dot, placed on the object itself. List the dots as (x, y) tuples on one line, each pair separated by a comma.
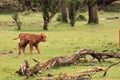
[(92, 10), (72, 13), (45, 9), (64, 11), (49, 9), (93, 7), (17, 20), (74, 6)]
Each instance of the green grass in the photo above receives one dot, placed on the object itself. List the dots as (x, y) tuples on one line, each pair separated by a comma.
[(62, 40)]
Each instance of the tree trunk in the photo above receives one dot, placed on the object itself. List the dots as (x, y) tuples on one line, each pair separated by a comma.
[(45, 14), (46, 19), (64, 11), (92, 9), (46, 22)]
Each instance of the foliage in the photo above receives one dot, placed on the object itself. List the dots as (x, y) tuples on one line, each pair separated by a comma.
[(72, 13), (83, 9), (92, 2), (74, 7), (113, 8)]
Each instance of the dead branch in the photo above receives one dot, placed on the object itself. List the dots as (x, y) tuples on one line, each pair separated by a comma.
[(64, 60), (64, 76), (101, 55), (105, 73), (95, 69), (81, 75)]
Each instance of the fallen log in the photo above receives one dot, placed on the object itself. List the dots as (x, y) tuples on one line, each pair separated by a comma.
[(64, 60)]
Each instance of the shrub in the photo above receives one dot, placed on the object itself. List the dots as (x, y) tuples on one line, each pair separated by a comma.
[(59, 18), (17, 20), (81, 18)]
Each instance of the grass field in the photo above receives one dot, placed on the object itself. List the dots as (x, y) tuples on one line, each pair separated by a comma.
[(62, 40)]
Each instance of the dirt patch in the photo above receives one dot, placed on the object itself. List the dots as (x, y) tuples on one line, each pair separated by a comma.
[(5, 52)]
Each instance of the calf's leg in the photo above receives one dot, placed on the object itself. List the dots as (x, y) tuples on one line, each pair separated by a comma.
[(37, 48), (23, 47), (31, 48)]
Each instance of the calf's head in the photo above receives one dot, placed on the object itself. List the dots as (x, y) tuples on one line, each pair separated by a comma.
[(43, 37)]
